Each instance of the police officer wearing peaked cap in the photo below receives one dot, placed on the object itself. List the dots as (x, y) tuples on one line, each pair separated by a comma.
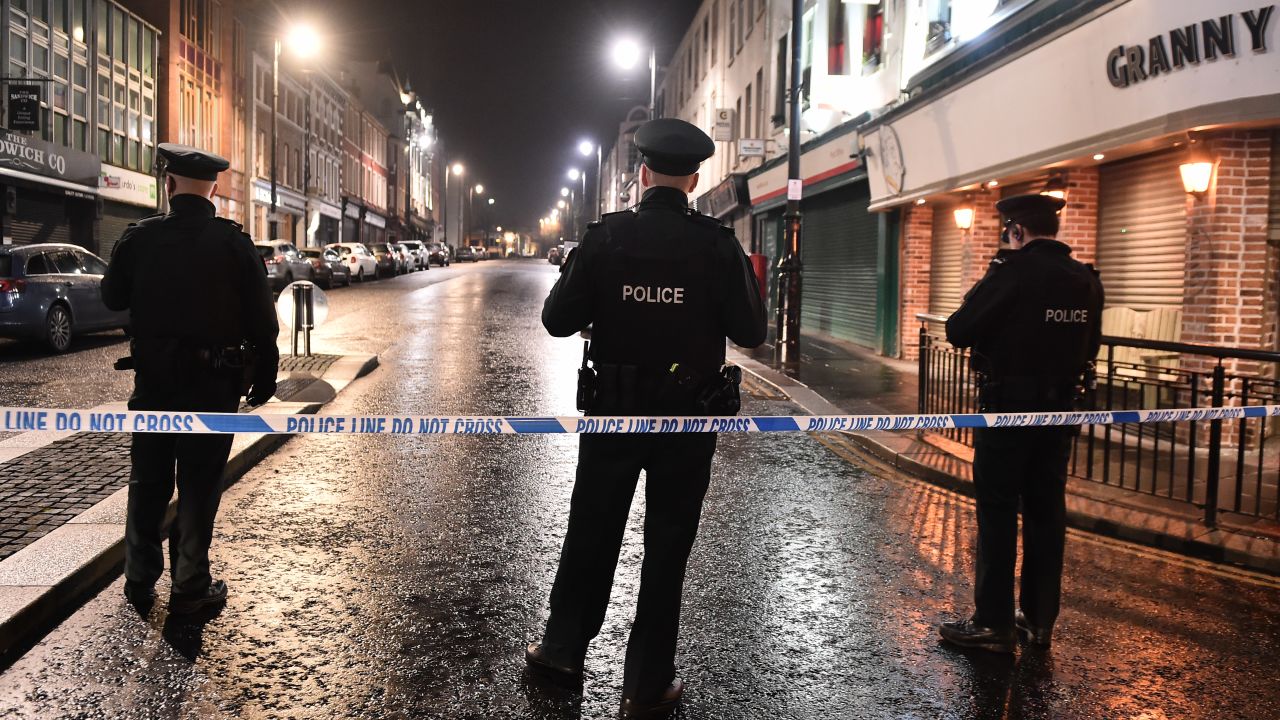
[(1034, 324), (199, 342), (662, 288)]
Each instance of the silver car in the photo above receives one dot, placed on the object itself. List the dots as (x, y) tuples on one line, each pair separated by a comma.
[(52, 292), (284, 263), (419, 252)]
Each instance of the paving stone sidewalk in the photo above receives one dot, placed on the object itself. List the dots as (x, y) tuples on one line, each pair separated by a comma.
[(43, 489)]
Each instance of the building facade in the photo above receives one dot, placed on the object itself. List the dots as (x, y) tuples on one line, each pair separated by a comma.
[(95, 73), (1119, 107)]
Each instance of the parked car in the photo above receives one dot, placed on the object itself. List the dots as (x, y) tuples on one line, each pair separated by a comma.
[(465, 254), (404, 259), (419, 252), (359, 261), (481, 253), (388, 260), (52, 292), (438, 253), (553, 255), (284, 263), (328, 266)]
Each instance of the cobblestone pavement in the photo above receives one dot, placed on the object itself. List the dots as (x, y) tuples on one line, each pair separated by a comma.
[(42, 489), (45, 488), (388, 577)]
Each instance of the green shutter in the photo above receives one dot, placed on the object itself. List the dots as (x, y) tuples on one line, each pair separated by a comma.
[(840, 249)]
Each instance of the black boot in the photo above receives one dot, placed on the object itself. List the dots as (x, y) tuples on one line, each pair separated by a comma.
[(545, 666), (654, 707), (203, 605), (968, 634), (141, 597), (1042, 637)]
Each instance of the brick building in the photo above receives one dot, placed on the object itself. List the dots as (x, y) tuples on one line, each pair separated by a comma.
[(1111, 104)]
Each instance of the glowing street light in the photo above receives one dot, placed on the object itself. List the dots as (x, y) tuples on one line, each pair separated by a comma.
[(303, 41), (561, 205), (492, 201), (458, 169), (574, 173), (626, 53), (564, 192), (479, 189), (586, 147)]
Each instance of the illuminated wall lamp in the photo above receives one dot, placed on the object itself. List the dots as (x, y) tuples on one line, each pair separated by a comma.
[(964, 217), (1197, 175)]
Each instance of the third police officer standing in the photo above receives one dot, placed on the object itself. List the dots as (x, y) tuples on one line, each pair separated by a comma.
[(1034, 326), (662, 288), (201, 340)]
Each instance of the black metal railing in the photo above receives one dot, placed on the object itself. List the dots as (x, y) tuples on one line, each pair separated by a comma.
[(1231, 465)]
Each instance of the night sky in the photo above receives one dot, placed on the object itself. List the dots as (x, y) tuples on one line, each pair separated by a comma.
[(515, 84)]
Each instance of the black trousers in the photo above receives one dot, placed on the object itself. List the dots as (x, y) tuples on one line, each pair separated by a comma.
[(1027, 465), (192, 463), (678, 471)]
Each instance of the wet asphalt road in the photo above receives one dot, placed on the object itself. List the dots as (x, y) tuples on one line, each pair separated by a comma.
[(399, 577)]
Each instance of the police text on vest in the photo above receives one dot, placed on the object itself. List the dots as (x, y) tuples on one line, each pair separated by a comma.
[(664, 295), (1066, 316)]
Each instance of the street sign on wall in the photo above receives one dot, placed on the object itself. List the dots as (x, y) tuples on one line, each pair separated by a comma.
[(24, 107), (751, 148)]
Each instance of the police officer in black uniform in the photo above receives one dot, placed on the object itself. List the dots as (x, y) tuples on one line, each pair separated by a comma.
[(1034, 324), (662, 288), (200, 341)]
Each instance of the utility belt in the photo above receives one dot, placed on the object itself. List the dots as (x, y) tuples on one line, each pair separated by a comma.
[(178, 357), (612, 389), (1033, 394)]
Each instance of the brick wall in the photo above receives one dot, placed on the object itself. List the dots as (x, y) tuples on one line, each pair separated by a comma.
[(1080, 216), (1228, 275), (983, 239), (916, 255)]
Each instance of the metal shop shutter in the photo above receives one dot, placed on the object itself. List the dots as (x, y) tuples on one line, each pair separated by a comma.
[(946, 264), (115, 218), (841, 255), (1142, 232), (41, 217)]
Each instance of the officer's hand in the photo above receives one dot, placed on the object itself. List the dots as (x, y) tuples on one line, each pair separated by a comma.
[(261, 392)]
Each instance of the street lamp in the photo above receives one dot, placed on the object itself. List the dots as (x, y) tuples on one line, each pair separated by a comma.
[(304, 43), (626, 54), (585, 148), (456, 170), (478, 189)]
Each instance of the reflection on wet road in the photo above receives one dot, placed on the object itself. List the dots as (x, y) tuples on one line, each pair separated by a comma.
[(376, 577)]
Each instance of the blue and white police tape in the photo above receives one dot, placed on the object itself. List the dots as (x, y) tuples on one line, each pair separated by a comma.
[(35, 419)]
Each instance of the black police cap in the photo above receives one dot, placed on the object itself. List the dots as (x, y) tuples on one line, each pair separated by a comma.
[(673, 147), (1020, 208), (191, 162)]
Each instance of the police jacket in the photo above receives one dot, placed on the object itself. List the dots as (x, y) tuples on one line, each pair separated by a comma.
[(659, 286), (192, 282), (1034, 322)]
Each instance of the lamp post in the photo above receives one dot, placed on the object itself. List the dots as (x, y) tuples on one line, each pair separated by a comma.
[(626, 53), (585, 148), (457, 170), (472, 191), (304, 42), (787, 344)]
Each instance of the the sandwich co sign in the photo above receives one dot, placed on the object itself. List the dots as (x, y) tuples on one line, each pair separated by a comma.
[(32, 155)]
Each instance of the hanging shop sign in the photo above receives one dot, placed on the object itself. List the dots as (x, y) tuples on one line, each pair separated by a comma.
[(725, 197), (375, 219), (1186, 46), (24, 108), (127, 186), (751, 148), (33, 155)]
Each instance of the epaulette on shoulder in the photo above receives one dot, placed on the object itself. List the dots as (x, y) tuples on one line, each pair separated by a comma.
[(148, 220), (229, 221), (709, 221)]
